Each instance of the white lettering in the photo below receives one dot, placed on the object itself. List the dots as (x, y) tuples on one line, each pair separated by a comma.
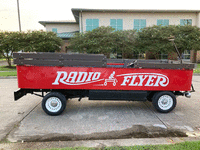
[(72, 76), (142, 79), (89, 77), (126, 80), (150, 80), (159, 81), (82, 75), (76, 78), (132, 81), (59, 73), (163, 81), (96, 75)]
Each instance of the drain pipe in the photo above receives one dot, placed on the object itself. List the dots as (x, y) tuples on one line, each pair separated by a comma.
[(81, 21)]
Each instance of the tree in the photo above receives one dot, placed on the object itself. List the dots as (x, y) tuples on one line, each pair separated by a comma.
[(32, 41), (188, 38), (10, 42), (125, 42), (156, 39), (103, 40), (41, 41), (97, 41)]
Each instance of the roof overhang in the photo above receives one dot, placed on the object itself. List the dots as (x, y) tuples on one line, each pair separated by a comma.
[(76, 11), (44, 23)]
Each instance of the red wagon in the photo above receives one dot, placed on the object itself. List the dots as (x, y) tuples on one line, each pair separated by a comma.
[(66, 76)]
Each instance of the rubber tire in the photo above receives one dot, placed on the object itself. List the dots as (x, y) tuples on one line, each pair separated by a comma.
[(156, 98), (61, 98)]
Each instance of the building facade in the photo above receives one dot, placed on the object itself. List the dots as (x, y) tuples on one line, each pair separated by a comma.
[(89, 19)]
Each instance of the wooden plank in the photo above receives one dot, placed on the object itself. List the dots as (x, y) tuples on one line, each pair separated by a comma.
[(163, 66), (59, 56), (36, 55), (59, 59), (60, 63)]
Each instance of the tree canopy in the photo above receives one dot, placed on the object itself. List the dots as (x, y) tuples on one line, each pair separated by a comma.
[(156, 39), (103, 40), (32, 41), (153, 39)]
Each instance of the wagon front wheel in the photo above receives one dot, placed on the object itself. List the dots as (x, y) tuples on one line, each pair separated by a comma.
[(164, 101), (54, 103)]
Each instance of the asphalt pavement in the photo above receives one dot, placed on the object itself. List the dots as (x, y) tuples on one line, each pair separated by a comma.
[(24, 120)]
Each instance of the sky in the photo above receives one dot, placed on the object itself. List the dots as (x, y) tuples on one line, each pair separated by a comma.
[(33, 11)]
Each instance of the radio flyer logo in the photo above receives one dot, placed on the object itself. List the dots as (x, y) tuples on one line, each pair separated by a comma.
[(77, 78), (111, 79), (144, 79), (129, 79)]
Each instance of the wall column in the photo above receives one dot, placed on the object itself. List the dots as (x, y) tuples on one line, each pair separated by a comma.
[(198, 20)]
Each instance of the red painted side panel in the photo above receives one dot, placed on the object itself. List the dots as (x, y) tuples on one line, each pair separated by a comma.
[(45, 77)]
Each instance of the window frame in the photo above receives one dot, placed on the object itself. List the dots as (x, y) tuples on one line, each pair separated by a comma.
[(117, 24), (184, 22), (137, 24), (55, 30), (163, 22), (91, 24)]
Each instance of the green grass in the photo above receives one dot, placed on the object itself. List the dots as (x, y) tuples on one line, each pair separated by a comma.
[(197, 70), (3, 59), (7, 68), (4, 74), (194, 145)]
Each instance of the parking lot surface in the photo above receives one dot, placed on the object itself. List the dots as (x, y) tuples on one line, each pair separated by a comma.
[(24, 120)]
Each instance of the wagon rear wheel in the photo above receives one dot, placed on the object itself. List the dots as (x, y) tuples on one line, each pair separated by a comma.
[(164, 101), (54, 103)]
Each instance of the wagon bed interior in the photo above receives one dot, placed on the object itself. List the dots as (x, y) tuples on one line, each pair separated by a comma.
[(94, 60)]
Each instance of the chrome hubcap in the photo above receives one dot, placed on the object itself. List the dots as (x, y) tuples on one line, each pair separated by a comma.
[(53, 104), (165, 102)]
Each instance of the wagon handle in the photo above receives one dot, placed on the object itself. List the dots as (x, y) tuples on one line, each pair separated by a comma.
[(177, 51)]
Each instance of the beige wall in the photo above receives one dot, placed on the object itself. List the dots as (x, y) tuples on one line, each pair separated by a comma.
[(151, 18), (63, 27)]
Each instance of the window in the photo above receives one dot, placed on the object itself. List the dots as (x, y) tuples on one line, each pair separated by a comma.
[(184, 22), (163, 22), (163, 56), (92, 24), (186, 55), (117, 24), (139, 24), (54, 30)]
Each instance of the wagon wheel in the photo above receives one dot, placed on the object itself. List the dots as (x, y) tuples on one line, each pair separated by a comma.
[(164, 101), (54, 103)]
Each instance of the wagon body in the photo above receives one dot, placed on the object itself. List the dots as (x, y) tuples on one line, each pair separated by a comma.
[(79, 75), (87, 78)]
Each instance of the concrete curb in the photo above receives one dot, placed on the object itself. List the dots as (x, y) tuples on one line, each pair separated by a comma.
[(8, 77), (96, 143), (196, 74)]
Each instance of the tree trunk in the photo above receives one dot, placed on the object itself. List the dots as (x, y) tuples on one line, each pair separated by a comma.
[(107, 55), (193, 56), (8, 61)]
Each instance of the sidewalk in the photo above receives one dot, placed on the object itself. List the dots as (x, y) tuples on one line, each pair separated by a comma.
[(95, 143), (11, 112)]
